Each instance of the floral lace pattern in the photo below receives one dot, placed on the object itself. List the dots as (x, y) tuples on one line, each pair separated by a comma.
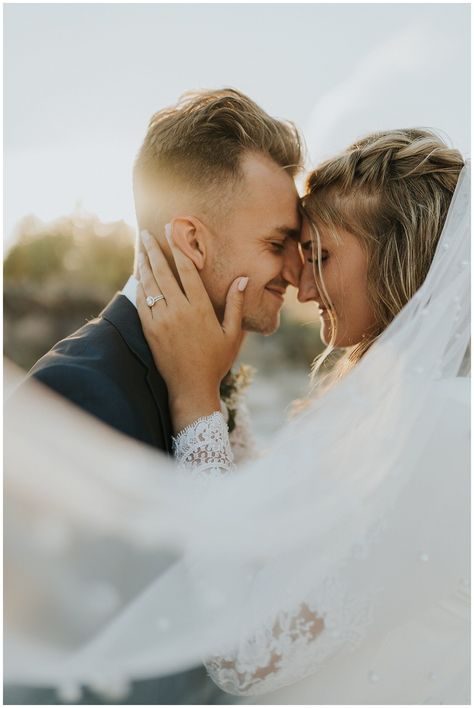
[(295, 644), (203, 447)]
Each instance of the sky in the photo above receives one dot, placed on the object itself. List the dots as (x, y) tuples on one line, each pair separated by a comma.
[(82, 81)]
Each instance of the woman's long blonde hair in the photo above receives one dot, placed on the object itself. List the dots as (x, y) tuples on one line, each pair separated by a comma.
[(392, 190)]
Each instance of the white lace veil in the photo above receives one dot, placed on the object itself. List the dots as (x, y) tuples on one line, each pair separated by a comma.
[(119, 567)]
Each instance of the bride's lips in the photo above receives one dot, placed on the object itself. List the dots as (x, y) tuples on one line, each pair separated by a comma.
[(321, 309)]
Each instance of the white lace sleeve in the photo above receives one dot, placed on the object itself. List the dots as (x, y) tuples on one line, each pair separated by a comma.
[(203, 447)]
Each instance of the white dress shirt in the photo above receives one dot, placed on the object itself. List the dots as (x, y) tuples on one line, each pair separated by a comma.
[(130, 290)]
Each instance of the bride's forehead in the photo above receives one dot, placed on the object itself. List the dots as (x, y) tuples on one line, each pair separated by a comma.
[(314, 230), (336, 239)]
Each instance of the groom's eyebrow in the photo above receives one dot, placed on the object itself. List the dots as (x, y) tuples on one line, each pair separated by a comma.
[(287, 232)]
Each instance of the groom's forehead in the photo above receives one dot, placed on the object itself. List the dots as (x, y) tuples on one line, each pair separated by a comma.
[(269, 206)]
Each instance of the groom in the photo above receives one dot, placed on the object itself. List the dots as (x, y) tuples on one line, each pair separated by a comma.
[(221, 170)]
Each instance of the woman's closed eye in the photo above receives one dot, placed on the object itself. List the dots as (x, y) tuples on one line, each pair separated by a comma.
[(310, 251), (314, 258)]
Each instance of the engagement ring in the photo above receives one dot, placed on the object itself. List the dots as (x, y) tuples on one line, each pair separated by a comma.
[(153, 299)]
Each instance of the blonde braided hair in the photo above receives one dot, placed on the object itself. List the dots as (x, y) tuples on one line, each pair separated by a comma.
[(392, 190)]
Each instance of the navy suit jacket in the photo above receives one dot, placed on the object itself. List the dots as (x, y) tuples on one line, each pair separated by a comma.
[(107, 368)]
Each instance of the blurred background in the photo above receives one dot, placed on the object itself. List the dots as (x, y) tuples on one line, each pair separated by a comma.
[(81, 82)]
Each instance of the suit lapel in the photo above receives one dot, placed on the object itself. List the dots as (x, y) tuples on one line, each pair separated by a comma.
[(124, 317)]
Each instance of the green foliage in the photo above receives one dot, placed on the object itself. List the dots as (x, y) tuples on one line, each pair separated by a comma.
[(59, 275), (78, 249)]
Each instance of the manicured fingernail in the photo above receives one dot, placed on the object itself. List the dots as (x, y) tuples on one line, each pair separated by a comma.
[(242, 284), (140, 258), (168, 233), (145, 235)]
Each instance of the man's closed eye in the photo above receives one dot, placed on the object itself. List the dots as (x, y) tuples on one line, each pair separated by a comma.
[(278, 246)]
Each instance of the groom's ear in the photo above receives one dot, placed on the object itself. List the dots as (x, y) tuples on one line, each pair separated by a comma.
[(189, 237)]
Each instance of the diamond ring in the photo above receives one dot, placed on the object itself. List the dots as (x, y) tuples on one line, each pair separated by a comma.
[(153, 299)]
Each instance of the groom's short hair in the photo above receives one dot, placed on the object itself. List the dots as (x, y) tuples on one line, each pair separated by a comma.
[(198, 143)]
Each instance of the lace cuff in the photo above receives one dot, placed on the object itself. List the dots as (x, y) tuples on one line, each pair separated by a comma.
[(204, 448)]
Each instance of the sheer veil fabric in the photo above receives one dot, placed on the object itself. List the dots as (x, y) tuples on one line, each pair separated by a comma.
[(343, 555)]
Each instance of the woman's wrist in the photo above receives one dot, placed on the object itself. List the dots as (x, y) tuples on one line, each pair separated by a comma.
[(186, 408)]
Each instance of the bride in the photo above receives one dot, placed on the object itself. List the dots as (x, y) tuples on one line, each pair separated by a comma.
[(337, 566), (374, 218)]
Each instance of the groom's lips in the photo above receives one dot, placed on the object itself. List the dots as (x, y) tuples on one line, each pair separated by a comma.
[(279, 292)]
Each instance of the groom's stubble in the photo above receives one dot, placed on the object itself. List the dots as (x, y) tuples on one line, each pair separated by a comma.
[(254, 318)]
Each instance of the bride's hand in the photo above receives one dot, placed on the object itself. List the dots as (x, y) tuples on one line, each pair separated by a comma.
[(191, 348)]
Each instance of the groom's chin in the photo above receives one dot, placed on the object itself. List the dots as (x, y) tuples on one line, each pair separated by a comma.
[(261, 323)]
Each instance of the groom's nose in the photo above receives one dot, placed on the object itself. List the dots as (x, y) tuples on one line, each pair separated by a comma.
[(292, 263)]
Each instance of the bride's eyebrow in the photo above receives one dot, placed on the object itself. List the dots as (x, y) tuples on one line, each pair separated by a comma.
[(307, 245)]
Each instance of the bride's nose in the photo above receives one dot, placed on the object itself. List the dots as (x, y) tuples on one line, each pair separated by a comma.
[(307, 289)]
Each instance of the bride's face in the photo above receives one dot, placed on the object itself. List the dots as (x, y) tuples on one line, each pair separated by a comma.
[(344, 273)]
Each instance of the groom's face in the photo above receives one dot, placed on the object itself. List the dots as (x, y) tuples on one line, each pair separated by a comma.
[(259, 239)]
